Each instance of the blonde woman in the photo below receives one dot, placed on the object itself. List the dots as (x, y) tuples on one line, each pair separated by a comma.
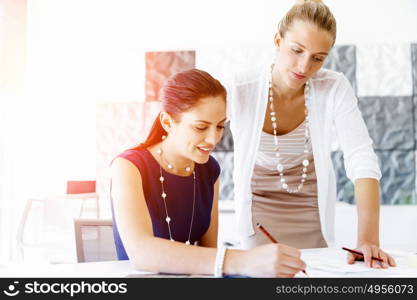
[(281, 121)]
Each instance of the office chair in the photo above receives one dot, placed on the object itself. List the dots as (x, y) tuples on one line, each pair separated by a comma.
[(51, 217), (83, 190), (94, 240)]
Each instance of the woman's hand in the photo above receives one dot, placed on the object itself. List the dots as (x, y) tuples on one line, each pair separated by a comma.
[(368, 251), (273, 260)]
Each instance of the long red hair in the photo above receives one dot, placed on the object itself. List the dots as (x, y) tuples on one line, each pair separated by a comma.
[(181, 92)]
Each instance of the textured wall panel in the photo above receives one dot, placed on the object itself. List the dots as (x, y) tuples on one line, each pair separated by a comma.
[(161, 65), (343, 59), (345, 188), (226, 143), (225, 160), (120, 126), (389, 121), (414, 111), (397, 182), (414, 66), (384, 70), (398, 176)]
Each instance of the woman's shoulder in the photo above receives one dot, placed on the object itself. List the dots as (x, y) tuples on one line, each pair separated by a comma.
[(326, 80), (249, 76), (213, 167), (328, 75), (246, 87), (133, 153), (213, 162), (136, 157)]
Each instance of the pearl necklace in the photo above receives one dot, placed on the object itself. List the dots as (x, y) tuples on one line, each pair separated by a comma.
[(280, 166), (164, 196)]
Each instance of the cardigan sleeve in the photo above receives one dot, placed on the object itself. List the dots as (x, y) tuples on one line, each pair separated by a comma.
[(359, 157), (230, 89)]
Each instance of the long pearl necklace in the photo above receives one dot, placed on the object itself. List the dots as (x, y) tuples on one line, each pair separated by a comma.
[(164, 196), (280, 166)]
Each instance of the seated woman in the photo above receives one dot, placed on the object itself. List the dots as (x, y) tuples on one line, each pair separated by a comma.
[(165, 191)]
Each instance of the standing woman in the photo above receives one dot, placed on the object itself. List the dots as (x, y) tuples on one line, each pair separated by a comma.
[(281, 121), (165, 191)]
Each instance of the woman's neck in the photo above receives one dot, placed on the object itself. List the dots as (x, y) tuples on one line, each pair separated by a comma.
[(281, 90), (172, 157)]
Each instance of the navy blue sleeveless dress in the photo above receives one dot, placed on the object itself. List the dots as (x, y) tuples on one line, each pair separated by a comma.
[(179, 190)]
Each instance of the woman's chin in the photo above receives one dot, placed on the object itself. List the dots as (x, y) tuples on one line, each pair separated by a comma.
[(201, 158)]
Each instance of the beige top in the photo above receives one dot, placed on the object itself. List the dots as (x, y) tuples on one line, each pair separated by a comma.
[(292, 219)]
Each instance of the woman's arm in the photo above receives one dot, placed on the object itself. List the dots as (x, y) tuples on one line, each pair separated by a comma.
[(362, 168), (150, 253), (209, 239), (367, 201), (145, 251)]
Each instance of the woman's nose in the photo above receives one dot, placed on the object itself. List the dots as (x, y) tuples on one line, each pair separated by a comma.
[(213, 137), (304, 65)]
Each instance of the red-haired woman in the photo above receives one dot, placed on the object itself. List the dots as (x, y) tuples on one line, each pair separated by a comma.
[(165, 191)]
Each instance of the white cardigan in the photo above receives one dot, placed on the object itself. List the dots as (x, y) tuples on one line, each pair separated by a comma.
[(332, 104)]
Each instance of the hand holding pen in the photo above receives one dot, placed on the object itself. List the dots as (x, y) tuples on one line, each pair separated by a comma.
[(373, 257), (290, 257)]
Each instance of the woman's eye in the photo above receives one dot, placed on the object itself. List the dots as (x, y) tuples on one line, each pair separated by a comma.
[(201, 128), (318, 59), (220, 127), (296, 51)]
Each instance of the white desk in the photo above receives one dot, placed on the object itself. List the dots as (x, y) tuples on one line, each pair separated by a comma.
[(123, 268)]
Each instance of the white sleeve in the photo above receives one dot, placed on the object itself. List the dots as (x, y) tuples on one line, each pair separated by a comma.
[(230, 89), (359, 157)]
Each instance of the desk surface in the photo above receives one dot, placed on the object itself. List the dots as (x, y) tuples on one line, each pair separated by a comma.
[(324, 262)]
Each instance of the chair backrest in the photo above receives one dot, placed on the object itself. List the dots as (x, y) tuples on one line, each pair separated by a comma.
[(81, 187), (83, 190), (94, 240)]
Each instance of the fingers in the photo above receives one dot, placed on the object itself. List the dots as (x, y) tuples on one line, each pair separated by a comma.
[(375, 253), (384, 257), (289, 251), (295, 264), (289, 262), (367, 254), (285, 270), (351, 258), (370, 251), (391, 260), (388, 260), (286, 275)]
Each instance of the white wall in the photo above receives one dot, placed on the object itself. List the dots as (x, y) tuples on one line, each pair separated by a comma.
[(98, 45)]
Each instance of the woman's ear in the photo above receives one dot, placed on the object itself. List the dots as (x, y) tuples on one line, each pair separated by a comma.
[(166, 121), (277, 40)]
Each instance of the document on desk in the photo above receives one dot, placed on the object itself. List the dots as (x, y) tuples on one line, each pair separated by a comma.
[(338, 266), (331, 262)]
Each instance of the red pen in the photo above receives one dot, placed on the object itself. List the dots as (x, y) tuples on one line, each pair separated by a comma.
[(263, 230), (360, 253)]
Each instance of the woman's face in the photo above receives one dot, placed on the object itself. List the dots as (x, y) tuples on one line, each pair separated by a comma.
[(199, 129), (301, 52)]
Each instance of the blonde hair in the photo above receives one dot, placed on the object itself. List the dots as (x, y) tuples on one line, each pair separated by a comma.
[(313, 11)]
